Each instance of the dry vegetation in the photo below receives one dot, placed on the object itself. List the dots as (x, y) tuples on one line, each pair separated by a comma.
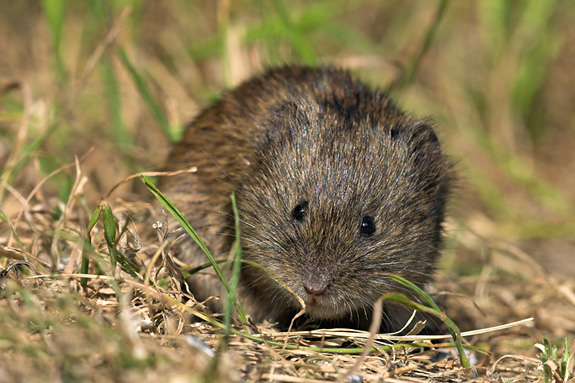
[(92, 92)]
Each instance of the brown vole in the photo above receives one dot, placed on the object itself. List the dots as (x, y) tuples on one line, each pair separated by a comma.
[(335, 187)]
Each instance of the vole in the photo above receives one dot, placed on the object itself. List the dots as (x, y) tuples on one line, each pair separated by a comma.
[(335, 187)]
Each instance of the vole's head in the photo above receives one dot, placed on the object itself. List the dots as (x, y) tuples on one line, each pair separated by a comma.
[(340, 194)]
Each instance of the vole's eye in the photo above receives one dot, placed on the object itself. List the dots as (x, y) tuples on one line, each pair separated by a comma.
[(300, 211), (367, 227)]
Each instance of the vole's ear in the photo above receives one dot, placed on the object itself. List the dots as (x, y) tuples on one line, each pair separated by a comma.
[(427, 157), (422, 134), (419, 136), (423, 139)]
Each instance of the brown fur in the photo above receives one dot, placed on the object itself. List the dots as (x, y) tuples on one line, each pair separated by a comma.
[(295, 135)]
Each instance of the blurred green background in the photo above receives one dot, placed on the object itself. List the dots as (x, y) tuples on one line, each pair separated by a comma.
[(114, 82)]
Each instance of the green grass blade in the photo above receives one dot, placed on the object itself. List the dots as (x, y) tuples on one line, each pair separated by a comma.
[(114, 98), (196, 269), (564, 364), (87, 243), (299, 40), (232, 298), (187, 227), (538, 42), (110, 235), (54, 11), (494, 17), (238, 259), (417, 290), (411, 68), (109, 232), (435, 310), (147, 96)]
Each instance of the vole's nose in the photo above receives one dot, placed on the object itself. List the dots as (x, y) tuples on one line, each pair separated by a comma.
[(315, 287)]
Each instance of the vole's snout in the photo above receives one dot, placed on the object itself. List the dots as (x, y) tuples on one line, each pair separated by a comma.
[(315, 287), (316, 283)]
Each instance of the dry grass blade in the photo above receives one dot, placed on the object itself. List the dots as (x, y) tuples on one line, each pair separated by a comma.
[(145, 174), (373, 330), (399, 338)]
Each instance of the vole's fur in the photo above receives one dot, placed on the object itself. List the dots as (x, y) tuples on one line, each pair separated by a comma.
[(335, 187)]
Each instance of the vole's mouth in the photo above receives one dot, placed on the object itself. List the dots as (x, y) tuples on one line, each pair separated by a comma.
[(323, 308), (317, 301), (324, 312)]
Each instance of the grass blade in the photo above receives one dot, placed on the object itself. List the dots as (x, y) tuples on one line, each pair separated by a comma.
[(123, 138), (54, 11), (6, 220), (146, 94), (434, 309), (110, 236), (88, 243), (109, 232), (233, 299), (187, 227), (409, 73), (298, 40)]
